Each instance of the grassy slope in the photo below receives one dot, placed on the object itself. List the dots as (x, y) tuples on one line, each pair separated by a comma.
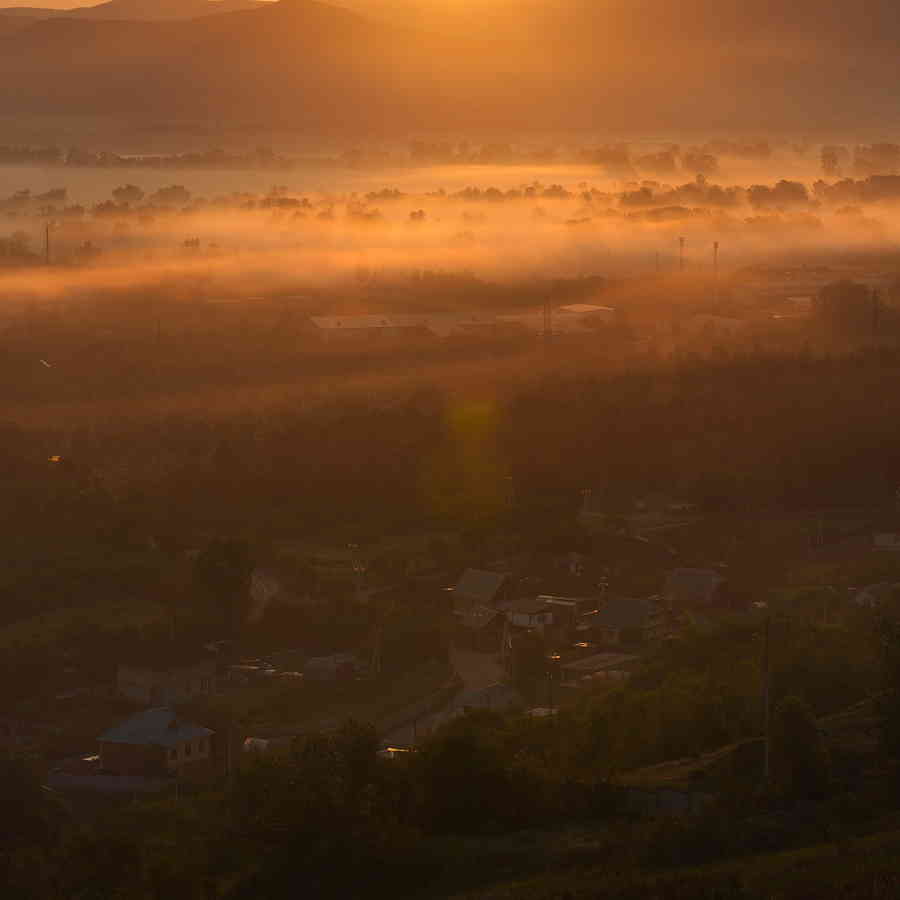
[(850, 870)]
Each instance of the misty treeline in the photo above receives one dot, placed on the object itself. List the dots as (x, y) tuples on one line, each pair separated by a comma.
[(617, 160), (260, 158), (129, 199), (440, 225)]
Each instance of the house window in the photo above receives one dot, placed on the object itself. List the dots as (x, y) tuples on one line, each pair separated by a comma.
[(187, 749)]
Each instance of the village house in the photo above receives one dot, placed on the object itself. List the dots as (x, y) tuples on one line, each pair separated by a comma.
[(481, 588), (567, 610), (886, 540), (874, 595), (367, 329), (155, 742), (690, 589), (622, 620), (161, 684), (480, 628), (477, 600), (529, 612)]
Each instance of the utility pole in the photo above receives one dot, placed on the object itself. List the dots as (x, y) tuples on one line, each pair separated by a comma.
[(656, 255), (681, 254), (587, 496), (510, 491), (359, 571), (766, 692), (47, 243), (876, 311), (552, 675), (228, 740)]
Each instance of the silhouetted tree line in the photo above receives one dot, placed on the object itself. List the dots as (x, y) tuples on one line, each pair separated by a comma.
[(262, 157)]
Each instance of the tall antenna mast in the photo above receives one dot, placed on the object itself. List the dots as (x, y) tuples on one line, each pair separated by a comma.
[(681, 254), (716, 267), (548, 322)]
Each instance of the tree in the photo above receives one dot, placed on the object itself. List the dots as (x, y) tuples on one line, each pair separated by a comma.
[(324, 820), (222, 574), (174, 195), (128, 194), (699, 162), (464, 780), (799, 756), (831, 161)]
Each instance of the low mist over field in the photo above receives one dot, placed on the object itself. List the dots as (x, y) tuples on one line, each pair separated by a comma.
[(620, 215)]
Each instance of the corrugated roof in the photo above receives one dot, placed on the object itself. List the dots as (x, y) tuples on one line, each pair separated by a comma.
[(355, 322), (528, 605), (494, 696), (584, 308), (439, 324), (480, 585), (159, 727), (599, 661)]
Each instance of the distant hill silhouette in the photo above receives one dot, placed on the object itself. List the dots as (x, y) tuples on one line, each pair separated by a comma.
[(787, 65), (135, 10)]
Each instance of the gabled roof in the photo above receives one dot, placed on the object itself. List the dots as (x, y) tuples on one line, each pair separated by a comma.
[(159, 727), (480, 586), (528, 606), (692, 586)]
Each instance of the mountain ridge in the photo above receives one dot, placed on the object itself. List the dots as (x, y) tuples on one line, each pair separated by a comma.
[(135, 10), (320, 66)]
